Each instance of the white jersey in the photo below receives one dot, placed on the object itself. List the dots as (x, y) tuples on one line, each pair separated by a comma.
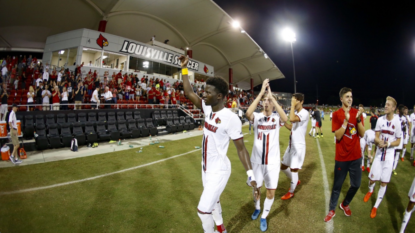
[(412, 119), (219, 127), (266, 148), (313, 122), (299, 129), (369, 138), (390, 131)]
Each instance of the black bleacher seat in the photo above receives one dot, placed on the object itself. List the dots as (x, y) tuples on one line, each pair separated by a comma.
[(120, 116), (176, 121), (191, 123), (102, 117), (129, 116), (144, 130), (169, 114), (132, 126), (112, 128), (156, 118), (82, 118), (151, 127), (40, 120), (78, 133), (50, 119), (102, 132), (186, 126), (90, 133), (170, 127), (66, 134), (122, 128), (175, 113), (111, 117), (71, 119), (60, 119), (29, 127), (92, 117), (54, 137), (163, 116), (137, 115), (41, 139)]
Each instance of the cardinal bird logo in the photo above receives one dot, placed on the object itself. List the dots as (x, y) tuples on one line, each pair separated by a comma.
[(393, 126), (217, 121), (102, 41), (273, 119), (206, 69)]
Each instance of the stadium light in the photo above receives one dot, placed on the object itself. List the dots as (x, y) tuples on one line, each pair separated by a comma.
[(289, 36), (236, 24), (62, 52)]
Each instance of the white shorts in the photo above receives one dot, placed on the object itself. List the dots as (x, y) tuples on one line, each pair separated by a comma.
[(411, 193), (294, 156), (381, 170), (3, 109), (313, 123), (405, 141), (213, 186), (362, 145), (268, 174), (400, 144)]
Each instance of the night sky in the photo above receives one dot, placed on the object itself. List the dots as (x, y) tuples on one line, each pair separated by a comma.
[(368, 46)]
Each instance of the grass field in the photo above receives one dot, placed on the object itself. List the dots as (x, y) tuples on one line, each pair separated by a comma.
[(163, 197)]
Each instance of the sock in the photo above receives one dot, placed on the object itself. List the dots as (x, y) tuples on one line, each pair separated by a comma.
[(321, 133), (217, 214), (288, 173), (314, 132), (395, 162), (267, 207), (294, 181), (406, 217), (371, 187), (311, 130), (368, 162), (207, 222), (257, 204), (381, 193), (403, 153), (412, 152)]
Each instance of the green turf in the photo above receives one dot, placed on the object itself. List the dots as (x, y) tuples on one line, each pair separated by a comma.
[(163, 197)]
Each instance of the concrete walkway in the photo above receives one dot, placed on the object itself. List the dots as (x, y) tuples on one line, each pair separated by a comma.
[(51, 155)]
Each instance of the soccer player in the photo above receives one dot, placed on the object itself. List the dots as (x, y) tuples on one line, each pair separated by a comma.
[(331, 114), (322, 115), (318, 122), (412, 133), (407, 128), (347, 127), (363, 114), (388, 137), (265, 157), (294, 154), (367, 141), (313, 126), (410, 208), (220, 125), (398, 149)]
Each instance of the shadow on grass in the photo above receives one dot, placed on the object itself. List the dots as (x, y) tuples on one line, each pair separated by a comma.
[(394, 203)]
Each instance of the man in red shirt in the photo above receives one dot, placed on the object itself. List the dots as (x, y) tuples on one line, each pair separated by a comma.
[(151, 94), (158, 96), (347, 126)]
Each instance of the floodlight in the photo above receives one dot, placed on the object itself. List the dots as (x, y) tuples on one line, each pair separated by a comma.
[(236, 24), (289, 35), (62, 52)]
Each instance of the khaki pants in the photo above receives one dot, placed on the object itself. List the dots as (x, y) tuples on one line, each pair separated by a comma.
[(46, 106), (78, 105), (55, 106), (15, 139)]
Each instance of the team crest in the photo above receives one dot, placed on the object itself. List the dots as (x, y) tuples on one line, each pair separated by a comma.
[(217, 121), (352, 130), (393, 126), (273, 119), (102, 41), (372, 176)]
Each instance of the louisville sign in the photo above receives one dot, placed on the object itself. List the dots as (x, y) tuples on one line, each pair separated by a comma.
[(155, 54)]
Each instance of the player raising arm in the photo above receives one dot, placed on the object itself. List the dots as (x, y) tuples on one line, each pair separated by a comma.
[(220, 125), (265, 157)]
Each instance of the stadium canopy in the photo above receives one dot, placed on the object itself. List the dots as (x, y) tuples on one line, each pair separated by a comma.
[(199, 25)]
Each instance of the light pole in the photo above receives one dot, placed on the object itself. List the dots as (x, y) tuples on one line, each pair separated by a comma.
[(289, 36)]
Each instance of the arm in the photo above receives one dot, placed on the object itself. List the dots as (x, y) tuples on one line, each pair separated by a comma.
[(288, 126), (283, 116), (360, 127), (188, 90), (250, 112), (340, 132), (244, 157)]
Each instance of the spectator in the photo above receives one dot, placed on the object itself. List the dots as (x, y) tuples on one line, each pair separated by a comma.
[(46, 76), (60, 74), (108, 97), (151, 96), (46, 95), (13, 74), (79, 95), (95, 98), (30, 98), (3, 108), (114, 95), (119, 92), (173, 98), (138, 92), (64, 96), (4, 74), (90, 63), (55, 98), (158, 95), (38, 80)]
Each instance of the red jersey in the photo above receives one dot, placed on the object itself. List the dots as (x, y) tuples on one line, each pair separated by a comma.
[(151, 93), (36, 74), (158, 95), (95, 75), (143, 80), (55, 99), (161, 83), (348, 148), (161, 101), (173, 100)]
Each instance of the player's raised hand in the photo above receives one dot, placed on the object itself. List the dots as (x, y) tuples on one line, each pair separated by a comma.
[(347, 113), (183, 61), (265, 85)]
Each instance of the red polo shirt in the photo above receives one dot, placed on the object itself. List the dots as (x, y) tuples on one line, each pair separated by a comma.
[(151, 94), (348, 148)]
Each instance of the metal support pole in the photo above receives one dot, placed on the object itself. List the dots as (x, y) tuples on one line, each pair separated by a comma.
[(295, 81)]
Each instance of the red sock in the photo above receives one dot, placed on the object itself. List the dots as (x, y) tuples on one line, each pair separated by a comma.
[(221, 228)]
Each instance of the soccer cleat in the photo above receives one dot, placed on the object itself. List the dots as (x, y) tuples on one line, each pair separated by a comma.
[(12, 159), (363, 168), (264, 225), (394, 172), (255, 214), (287, 196), (367, 196), (317, 136), (330, 216), (309, 134), (373, 212), (322, 136), (402, 159), (346, 209), (368, 169)]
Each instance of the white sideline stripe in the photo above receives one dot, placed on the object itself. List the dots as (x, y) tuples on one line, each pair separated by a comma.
[(94, 177), (329, 225)]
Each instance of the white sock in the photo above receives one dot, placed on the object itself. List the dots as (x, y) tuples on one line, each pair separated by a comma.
[(311, 130), (217, 214), (288, 173), (314, 132), (381, 193), (371, 187), (395, 162), (363, 159), (406, 217), (403, 153), (258, 204), (294, 181), (368, 162), (267, 207), (207, 222)]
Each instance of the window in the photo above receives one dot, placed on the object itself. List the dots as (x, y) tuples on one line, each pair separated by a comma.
[(114, 61), (91, 57), (59, 58)]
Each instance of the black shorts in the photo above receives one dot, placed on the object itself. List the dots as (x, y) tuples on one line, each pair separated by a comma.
[(319, 124)]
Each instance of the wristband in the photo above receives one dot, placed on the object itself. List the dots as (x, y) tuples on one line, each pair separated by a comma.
[(389, 144), (185, 71), (251, 176), (358, 120)]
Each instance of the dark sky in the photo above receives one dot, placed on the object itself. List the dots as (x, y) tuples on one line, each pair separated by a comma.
[(368, 46)]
